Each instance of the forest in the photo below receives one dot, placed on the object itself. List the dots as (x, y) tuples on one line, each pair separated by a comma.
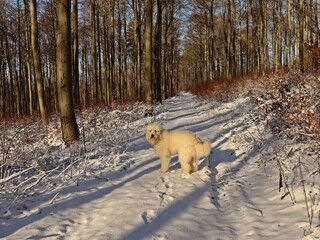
[(132, 50), (242, 73)]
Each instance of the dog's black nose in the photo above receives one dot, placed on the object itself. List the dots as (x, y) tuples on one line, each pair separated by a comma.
[(152, 136)]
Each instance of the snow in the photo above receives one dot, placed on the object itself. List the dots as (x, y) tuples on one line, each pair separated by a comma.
[(116, 191)]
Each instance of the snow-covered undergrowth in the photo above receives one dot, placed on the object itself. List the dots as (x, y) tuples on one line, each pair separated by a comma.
[(290, 108), (261, 180), (34, 161)]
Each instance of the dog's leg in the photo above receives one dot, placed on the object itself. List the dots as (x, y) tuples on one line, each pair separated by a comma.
[(194, 164), (185, 164), (165, 160)]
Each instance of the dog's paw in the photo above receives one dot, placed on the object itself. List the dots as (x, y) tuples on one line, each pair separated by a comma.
[(163, 171), (185, 175)]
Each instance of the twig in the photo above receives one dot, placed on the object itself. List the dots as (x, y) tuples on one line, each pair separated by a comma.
[(84, 140), (284, 179), (5, 155), (309, 211), (35, 183), (4, 180), (55, 196)]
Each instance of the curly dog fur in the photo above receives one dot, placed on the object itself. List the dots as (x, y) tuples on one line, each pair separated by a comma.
[(189, 147)]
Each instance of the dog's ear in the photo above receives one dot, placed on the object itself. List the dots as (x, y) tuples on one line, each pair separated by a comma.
[(161, 129), (147, 134)]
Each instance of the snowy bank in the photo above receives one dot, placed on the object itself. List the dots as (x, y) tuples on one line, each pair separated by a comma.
[(108, 185)]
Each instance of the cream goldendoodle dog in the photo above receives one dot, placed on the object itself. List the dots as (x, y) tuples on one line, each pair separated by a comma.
[(186, 144)]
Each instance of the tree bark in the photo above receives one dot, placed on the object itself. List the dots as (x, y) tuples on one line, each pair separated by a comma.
[(148, 57), (75, 60), (301, 16), (112, 48), (37, 62), (158, 51), (137, 49), (28, 56), (69, 125), (93, 51), (289, 35)]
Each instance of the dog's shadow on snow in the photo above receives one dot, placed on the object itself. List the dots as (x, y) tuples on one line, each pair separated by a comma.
[(171, 211), (176, 166), (219, 155), (174, 163)]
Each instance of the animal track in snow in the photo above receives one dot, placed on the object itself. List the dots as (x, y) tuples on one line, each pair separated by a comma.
[(165, 190), (148, 216), (159, 237)]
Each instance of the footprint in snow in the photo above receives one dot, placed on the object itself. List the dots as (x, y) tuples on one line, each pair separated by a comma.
[(148, 216), (165, 178), (205, 174), (159, 237), (165, 190)]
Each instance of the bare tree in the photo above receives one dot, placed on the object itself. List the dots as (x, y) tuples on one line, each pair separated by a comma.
[(75, 56), (137, 46), (301, 32), (28, 56), (112, 47), (94, 50), (37, 61), (158, 50), (111, 54), (69, 125), (148, 80)]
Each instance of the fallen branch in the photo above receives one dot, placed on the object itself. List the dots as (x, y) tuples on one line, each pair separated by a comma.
[(54, 198), (309, 211), (284, 179), (7, 179)]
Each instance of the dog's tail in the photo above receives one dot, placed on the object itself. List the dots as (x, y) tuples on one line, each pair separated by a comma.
[(203, 148)]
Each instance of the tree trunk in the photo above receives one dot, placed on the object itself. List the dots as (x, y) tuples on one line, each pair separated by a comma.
[(137, 49), (112, 48), (75, 60), (276, 37), (119, 56), (37, 61), (301, 16), (106, 44), (69, 125), (99, 60), (148, 57), (247, 39), (289, 35), (127, 82), (93, 51), (158, 50), (29, 59)]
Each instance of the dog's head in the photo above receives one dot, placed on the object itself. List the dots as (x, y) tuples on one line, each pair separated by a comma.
[(153, 133)]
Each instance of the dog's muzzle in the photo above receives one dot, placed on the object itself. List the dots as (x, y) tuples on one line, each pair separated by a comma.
[(152, 136)]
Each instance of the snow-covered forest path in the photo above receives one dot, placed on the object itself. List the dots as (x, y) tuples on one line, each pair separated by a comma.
[(232, 196)]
